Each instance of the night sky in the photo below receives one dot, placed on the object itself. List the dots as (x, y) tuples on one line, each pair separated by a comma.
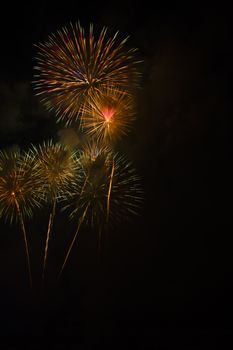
[(164, 279)]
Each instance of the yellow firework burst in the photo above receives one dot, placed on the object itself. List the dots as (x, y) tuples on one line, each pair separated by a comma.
[(57, 166), (89, 189), (72, 65), (20, 184), (20, 190), (109, 192)]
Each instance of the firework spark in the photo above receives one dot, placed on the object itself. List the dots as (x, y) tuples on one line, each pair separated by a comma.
[(72, 66), (57, 166), (20, 190), (108, 116), (112, 191)]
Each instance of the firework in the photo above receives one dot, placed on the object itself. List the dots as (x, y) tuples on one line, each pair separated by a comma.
[(57, 166), (90, 187), (72, 66), (20, 190), (109, 191), (108, 116)]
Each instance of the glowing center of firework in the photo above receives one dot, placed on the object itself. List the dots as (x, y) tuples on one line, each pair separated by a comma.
[(93, 157), (108, 113)]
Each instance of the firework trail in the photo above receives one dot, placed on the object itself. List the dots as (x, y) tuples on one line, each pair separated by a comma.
[(57, 166), (20, 190), (108, 116), (112, 191), (74, 239), (72, 66)]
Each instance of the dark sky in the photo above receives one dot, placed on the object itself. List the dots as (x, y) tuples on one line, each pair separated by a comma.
[(165, 280)]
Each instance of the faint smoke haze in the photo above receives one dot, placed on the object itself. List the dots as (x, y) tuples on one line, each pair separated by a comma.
[(70, 137)]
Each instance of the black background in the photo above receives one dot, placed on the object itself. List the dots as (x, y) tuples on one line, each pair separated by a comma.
[(165, 279)]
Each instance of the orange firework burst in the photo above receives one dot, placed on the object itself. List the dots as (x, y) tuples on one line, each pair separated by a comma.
[(72, 66), (20, 189), (108, 116)]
